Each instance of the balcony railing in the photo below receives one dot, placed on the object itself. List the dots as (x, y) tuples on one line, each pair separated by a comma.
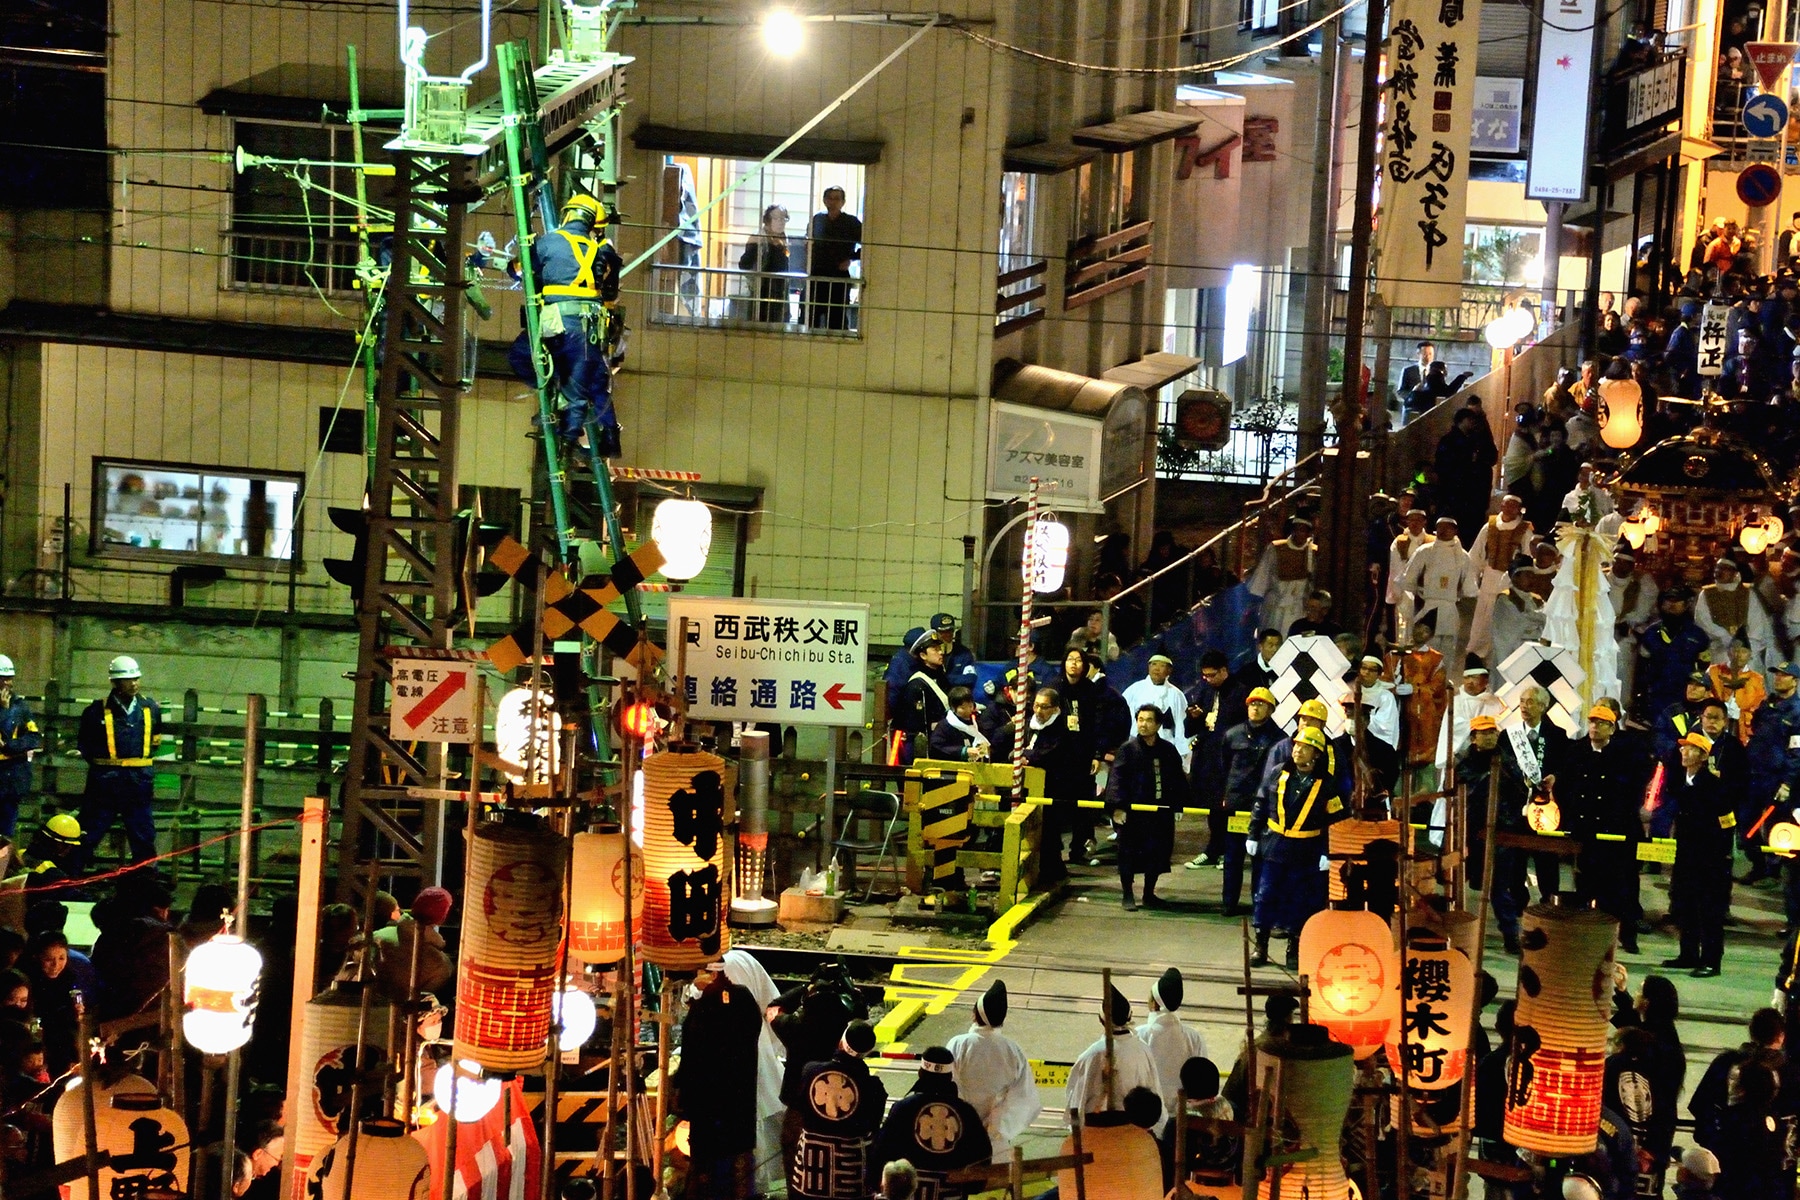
[(1018, 297), (268, 262), (1100, 266), (779, 302)]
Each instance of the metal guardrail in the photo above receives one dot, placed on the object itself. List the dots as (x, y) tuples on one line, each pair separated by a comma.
[(281, 263), (730, 298)]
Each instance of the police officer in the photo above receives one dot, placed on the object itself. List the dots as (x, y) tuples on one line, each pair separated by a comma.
[(1599, 785), (119, 738), (1700, 889), (934, 1129), (840, 1105), (20, 741), (1286, 831), (1774, 753), (925, 699), (1244, 754), (1668, 649), (577, 274)]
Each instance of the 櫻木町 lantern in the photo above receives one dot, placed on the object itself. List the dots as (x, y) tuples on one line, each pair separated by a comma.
[(1430, 1041)]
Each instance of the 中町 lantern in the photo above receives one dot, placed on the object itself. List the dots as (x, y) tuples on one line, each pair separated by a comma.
[(597, 897), (389, 1166), (1317, 1078), (510, 936), (219, 988), (1431, 1038), (1350, 966), (686, 884), (147, 1143), (329, 1062), (1558, 1057)]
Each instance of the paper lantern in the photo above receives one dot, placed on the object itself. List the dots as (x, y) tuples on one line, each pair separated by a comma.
[(329, 1060), (1559, 1030), (1784, 837), (1317, 1079), (1350, 838), (1759, 534), (686, 878), (510, 937), (573, 1011), (1046, 555), (1542, 813), (148, 1143), (1458, 926), (682, 530), (389, 1166), (1353, 972), (219, 987), (597, 897), (1634, 533), (1621, 413), (475, 1094), (1437, 983), (527, 743), (1126, 1164)]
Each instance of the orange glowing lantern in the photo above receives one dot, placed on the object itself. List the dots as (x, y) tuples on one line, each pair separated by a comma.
[(638, 721), (1317, 1079), (1353, 972), (1558, 1057), (1352, 837), (1437, 983), (510, 936), (687, 882), (597, 897)]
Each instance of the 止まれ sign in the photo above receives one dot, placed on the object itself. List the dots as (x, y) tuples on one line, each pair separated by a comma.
[(433, 701), (789, 662)]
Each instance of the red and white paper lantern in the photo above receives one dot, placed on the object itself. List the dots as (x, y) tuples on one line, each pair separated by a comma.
[(329, 1061), (1558, 1058), (512, 930), (597, 897)]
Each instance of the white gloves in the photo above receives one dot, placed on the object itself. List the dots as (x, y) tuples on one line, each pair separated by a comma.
[(1324, 862), (1250, 849)]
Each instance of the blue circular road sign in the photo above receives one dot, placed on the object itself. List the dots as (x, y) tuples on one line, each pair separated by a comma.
[(1765, 115), (1759, 184)]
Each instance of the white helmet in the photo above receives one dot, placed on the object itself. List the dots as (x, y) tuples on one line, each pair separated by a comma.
[(6, 667), (123, 667)]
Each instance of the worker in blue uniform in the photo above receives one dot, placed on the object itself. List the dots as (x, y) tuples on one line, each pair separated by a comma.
[(119, 737), (1287, 832), (577, 273), (20, 740)]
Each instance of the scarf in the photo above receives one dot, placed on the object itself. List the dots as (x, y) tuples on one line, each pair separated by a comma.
[(1038, 726), (966, 729)]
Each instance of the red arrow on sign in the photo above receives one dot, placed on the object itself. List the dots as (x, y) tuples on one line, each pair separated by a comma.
[(435, 699), (835, 695)]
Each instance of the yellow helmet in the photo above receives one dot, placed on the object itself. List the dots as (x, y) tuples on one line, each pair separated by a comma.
[(582, 202), (63, 828), (1310, 737), (1263, 695), (1315, 708)]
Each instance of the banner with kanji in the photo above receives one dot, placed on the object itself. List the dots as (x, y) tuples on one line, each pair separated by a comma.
[(1430, 101)]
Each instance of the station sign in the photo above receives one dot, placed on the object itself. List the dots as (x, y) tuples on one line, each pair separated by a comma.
[(785, 662)]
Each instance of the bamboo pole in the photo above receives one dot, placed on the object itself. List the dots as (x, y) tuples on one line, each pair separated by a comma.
[(1466, 1135), (306, 950)]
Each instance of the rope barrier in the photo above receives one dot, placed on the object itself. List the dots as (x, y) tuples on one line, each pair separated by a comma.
[(120, 872)]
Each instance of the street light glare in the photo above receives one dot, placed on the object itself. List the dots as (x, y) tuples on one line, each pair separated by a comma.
[(782, 33)]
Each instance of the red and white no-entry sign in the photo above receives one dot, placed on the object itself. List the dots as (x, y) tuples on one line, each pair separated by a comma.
[(433, 701)]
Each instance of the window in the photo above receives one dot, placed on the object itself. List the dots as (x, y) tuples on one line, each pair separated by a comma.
[(182, 513), (1506, 255), (1019, 271), (1258, 16), (285, 236), (724, 269)]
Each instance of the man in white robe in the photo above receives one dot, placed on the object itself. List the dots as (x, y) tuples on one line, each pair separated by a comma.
[(1436, 578), (1726, 608), (1502, 538), (1474, 699), (1284, 576), (1400, 552), (1170, 1041), (993, 1074), (1133, 1067), (1166, 698), (1634, 595)]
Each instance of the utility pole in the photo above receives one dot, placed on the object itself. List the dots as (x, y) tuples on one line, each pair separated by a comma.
[(1315, 341)]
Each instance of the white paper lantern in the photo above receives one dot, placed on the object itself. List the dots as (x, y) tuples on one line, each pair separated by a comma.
[(1350, 965), (573, 1011), (1621, 415), (475, 1095), (597, 897), (682, 530), (1048, 554), (389, 1166), (219, 987), (148, 1143), (528, 744)]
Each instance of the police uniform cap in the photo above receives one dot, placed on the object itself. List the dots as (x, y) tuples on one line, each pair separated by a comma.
[(1698, 678), (943, 623), (1786, 668), (926, 637)]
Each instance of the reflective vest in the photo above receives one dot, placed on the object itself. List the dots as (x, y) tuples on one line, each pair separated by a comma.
[(582, 287), (1278, 820), (112, 758)]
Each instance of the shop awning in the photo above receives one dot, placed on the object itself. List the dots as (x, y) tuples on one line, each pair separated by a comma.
[(306, 92), (1065, 391), (1151, 371), (1653, 154), (752, 146), (1136, 131), (1046, 158)]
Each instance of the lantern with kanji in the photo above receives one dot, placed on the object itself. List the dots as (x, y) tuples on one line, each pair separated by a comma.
[(329, 1062), (147, 1144), (686, 884), (510, 935), (1317, 1077), (1558, 1057), (597, 897), (1431, 1038), (1350, 966), (389, 1166), (219, 988)]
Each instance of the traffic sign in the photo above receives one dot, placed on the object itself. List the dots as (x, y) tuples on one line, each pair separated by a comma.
[(786, 662), (433, 701), (1771, 60), (1759, 184), (1765, 115)]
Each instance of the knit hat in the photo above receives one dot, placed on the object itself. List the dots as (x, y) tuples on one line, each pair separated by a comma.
[(858, 1039), (936, 1061), (1701, 1163), (432, 905), (1118, 1009), (990, 1006), (1167, 991)]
